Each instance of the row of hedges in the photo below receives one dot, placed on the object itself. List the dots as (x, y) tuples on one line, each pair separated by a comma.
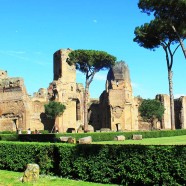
[(101, 136), (119, 164)]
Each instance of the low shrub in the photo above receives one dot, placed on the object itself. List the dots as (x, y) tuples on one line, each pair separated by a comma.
[(96, 136), (9, 137), (15, 156), (7, 132), (119, 164)]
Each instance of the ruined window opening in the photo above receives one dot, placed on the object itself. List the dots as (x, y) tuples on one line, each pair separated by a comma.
[(78, 111), (72, 88), (117, 83), (118, 126)]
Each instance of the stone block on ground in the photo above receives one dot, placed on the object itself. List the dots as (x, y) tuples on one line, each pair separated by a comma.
[(64, 138), (105, 130), (119, 138), (71, 140), (90, 128), (31, 173), (85, 140), (80, 131), (137, 137)]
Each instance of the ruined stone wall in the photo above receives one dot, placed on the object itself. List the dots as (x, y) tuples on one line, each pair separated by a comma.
[(183, 112), (13, 115), (19, 111), (13, 101), (67, 92), (166, 120), (105, 111), (36, 117), (116, 109), (94, 114), (180, 112), (119, 106)]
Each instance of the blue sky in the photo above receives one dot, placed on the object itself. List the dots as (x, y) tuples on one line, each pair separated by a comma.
[(32, 30)]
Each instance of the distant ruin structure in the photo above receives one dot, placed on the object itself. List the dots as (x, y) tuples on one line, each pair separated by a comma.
[(18, 110), (120, 110), (115, 110)]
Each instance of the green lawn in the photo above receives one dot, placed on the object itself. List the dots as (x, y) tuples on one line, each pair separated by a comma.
[(9, 178), (175, 140)]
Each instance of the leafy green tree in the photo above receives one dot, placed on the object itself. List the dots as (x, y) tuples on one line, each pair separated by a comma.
[(167, 28), (90, 62), (170, 11), (151, 110), (53, 110)]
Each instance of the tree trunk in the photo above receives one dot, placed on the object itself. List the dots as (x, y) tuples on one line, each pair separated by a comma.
[(170, 74), (85, 107), (54, 126), (180, 41)]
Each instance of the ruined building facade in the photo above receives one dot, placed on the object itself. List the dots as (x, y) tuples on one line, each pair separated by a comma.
[(116, 109), (17, 109), (120, 109)]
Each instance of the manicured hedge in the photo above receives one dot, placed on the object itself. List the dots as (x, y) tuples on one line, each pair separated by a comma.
[(119, 164), (101, 136), (16, 155)]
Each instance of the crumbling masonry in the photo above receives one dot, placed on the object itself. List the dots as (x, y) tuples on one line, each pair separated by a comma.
[(116, 109)]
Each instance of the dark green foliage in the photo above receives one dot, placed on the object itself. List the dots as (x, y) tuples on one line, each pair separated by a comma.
[(37, 137), (119, 164), (54, 109), (152, 35), (88, 61), (7, 132), (173, 12), (9, 137), (151, 109), (15, 156)]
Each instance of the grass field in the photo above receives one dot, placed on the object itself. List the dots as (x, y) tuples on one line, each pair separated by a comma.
[(175, 140), (9, 178)]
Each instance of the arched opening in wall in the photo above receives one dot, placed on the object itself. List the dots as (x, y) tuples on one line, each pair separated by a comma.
[(78, 110), (9, 122), (15, 124), (118, 126)]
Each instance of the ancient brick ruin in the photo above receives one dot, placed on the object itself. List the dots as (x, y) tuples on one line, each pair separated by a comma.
[(116, 109)]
